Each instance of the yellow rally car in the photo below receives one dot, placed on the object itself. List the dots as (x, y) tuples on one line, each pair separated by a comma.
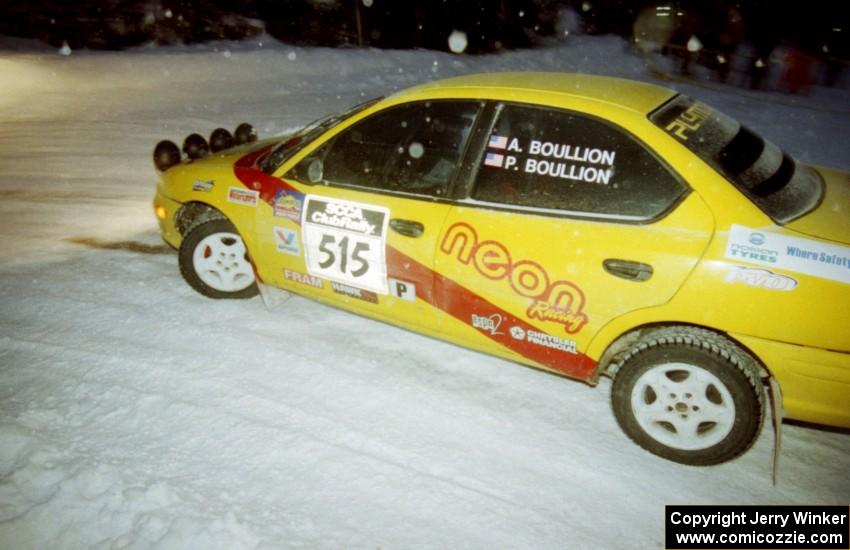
[(583, 225)]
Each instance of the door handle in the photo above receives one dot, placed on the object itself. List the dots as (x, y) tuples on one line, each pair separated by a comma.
[(627, 269), (408, 228)]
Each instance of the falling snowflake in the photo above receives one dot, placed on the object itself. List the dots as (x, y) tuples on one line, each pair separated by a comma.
[(457, 42)]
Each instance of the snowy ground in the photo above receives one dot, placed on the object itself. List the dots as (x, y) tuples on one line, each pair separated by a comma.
[(134, 413)]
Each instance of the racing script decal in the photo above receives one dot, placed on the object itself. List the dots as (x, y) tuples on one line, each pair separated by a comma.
[(345, 242)]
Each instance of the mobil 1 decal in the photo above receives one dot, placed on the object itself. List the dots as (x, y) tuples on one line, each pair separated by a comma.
[(566, 161), (345, 242)]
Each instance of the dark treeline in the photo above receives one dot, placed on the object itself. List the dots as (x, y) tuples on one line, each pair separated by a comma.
[(819, 27), (115, 24)]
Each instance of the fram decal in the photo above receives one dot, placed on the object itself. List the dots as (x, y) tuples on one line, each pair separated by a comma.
[(489, 324), (760, 278), (245, 197), (286, 241), (303, 278), (557, 301)]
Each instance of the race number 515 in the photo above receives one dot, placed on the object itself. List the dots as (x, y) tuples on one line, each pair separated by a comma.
[(346, 242)]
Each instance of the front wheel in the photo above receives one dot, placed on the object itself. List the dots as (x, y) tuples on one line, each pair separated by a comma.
[(214, 261), (689, 395)]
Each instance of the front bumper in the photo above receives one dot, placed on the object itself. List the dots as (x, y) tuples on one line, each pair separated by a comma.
[(165, 210), (815, 382)]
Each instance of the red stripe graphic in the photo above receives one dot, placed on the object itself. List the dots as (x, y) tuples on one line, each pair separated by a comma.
[(453, 298), (461, 303), (247, 171)]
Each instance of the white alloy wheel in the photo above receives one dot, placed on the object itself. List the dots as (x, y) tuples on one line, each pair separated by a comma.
[(689, 395), (683, 406), (220, 262)]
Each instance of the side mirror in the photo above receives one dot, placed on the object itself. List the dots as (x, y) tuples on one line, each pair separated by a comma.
[(315, 170)]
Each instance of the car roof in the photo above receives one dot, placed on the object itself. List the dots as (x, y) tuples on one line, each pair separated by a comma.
[(629, 94)]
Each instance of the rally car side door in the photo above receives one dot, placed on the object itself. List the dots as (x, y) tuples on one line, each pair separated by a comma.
[(361, 224), (570, 223)]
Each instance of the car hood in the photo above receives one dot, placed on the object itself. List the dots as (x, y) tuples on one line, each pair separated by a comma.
[(831, 219)]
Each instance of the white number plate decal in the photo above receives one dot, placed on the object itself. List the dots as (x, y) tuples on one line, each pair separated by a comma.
[(346, 242)]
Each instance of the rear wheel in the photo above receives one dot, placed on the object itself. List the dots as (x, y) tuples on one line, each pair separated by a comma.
[(689, 395), (214, 261)]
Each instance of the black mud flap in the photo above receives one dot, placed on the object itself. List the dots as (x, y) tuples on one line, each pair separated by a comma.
[(775, 394)]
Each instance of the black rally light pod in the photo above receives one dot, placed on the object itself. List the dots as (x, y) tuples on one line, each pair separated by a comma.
[(220, 139), (165, 155), (195, 146), (245, 133)]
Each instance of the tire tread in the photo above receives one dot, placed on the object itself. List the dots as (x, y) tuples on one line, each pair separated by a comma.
[(709, 341)]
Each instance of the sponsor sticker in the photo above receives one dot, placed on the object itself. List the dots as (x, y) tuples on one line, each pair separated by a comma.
[(489, 324), (286, 241), (549, 341), (542, 339), (204, 186), (824, 260), (345, 242), (760, 278), (245, 197), (402, 289), (287, 204), (303, 278), (359, 293)]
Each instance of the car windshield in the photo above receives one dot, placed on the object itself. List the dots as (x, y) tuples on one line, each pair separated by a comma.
[(781, 187), (294, 143)]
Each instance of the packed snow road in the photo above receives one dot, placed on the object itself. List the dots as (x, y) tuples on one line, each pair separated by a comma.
[(135, 413)]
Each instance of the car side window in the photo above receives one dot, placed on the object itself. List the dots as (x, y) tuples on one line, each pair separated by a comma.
[(559, 160), (413, 148)]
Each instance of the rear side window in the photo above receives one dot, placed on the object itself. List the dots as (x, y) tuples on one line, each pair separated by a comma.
[(771, 179), (563, 161)]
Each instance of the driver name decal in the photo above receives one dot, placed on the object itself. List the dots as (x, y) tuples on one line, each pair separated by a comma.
[(586, 164), (345, 242), (557, 301)]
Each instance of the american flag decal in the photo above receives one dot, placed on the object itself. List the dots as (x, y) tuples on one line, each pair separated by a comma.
[(498, 142), (494, 159)]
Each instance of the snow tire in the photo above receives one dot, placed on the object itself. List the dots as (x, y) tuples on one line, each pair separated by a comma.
[(214, 261), (689, 395)]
